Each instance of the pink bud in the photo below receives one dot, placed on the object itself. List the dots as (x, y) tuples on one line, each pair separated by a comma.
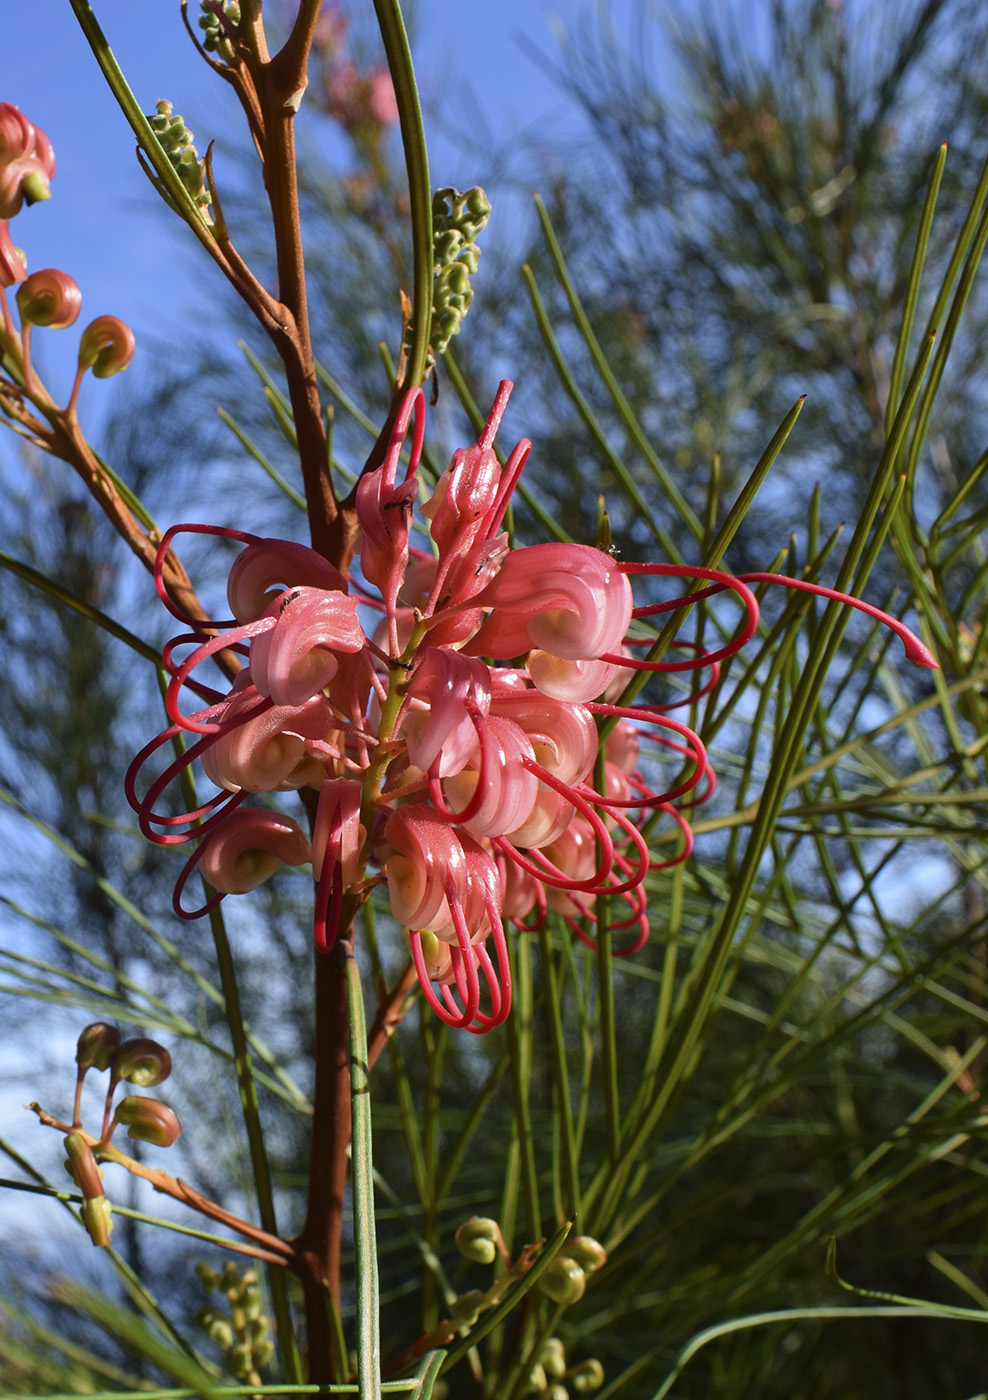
[(426, 854), (106, 347), (445, 683), (143, 1062), (293, 660), (268, 753), (384, 509), (566, 599), (49, 298), (266, 568), (96, 1046), (247, 846)]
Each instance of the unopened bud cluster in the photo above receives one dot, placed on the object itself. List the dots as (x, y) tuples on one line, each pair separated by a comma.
[(458, 219), (565, 1280), (138, 1061), (48, 297), (243, 1330), (216, 30), (177, 142), (554, 1379)]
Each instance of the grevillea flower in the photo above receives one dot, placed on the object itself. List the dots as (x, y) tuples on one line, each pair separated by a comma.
[(474, 753)]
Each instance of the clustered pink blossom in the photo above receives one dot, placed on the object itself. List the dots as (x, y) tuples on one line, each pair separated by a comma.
[(470, 747)]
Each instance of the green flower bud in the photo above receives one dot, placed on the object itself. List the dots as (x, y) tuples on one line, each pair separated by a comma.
[(208, 1277), (468, 1306), (588, 1376), (176, 141), (240, 1360), (536, 1381), (217, 1327), (148, 1120), (553, 1358), (263, 1352), (563, 1281), (588, 1253), (96, 1214), (96, 1046), (478, 1239), (557, 1392), (230, 1278), (142, 1062)]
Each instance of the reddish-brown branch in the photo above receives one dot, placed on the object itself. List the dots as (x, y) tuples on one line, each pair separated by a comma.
[(271, 1248), (317, 1248)]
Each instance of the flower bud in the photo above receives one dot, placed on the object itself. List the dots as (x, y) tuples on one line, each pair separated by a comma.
[(553, 1358), (563, 1281), (142, 1062), (96, 1215), (536, 1380), (230, 1278), (106, 347), (588, 1376), (148, 1120), (588, 1253), (478, 1238), (216, 1326), (49, 298), (96, 1046), (557, 1392), (467, 1307), (208, 1277), (13, 264), (82, 1166), (240, 1359), (263, 1352)]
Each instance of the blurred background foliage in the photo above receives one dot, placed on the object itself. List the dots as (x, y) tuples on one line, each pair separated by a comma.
[(801, 1045)]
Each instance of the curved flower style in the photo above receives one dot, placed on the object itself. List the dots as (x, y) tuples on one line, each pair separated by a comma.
[(474, 753)]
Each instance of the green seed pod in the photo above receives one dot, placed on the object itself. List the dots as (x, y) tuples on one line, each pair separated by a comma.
[(563, 1281), (588, 1253), (588, 1376), (478, 1238), (553, 1358), (230, 1278), (208, 1277)]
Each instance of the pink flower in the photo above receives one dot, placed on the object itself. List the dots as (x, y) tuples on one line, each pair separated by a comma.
[(455, 755)]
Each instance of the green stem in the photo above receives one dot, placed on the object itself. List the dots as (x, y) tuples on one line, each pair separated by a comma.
[(365, 1241), (399, 58)]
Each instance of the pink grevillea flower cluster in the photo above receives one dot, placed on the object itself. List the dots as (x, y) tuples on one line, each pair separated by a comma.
[(458, 711)]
